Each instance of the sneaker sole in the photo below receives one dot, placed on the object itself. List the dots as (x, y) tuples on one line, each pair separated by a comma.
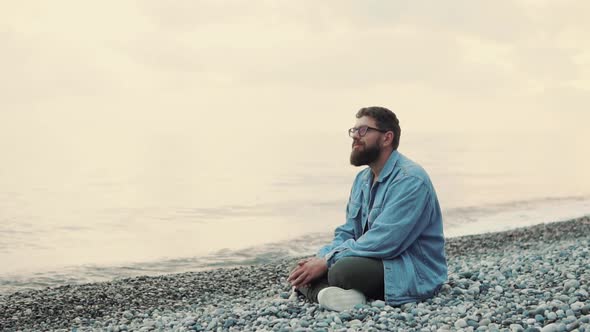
[(338, 299)]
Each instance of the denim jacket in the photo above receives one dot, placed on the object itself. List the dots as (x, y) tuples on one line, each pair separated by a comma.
[(405, 230)]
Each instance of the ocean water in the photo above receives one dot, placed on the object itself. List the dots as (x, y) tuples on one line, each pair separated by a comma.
[(104, 208)]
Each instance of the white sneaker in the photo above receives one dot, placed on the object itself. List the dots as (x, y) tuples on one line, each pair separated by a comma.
[(338, 299)]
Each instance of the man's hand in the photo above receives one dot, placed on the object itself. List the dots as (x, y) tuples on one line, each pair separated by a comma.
[(307, 270)]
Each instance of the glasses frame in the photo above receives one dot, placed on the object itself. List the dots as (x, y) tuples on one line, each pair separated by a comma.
[(363, 130)]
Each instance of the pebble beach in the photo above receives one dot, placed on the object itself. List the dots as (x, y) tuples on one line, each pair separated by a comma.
[(526, 279)]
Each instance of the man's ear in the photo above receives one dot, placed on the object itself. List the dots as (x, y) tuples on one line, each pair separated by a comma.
[(389, 136)]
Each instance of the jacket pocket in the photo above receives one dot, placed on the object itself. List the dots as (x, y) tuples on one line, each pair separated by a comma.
[(353, 212)]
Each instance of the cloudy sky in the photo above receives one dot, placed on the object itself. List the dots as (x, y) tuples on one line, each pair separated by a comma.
[(121, 67)]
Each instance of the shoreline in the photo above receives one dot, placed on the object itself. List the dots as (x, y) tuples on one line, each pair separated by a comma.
[(542, 284), (61, 275)]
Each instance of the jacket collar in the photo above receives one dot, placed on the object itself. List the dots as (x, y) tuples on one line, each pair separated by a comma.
[(387, 168)]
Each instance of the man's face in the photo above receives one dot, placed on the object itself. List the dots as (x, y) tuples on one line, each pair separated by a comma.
[(366, 149)]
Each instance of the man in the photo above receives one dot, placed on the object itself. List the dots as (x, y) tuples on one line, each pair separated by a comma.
[(392, 244)]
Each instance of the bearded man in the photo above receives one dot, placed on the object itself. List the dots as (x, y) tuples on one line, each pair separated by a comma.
[(392, 245)]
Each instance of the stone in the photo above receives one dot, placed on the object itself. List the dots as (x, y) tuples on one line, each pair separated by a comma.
[(577, 306), (461, 309), (472, 323), (551, 316), (532, 329), (571, 284), (345, 316), (229, 323), (551, 328), (378, 304), (572, 326), (484, 322), (460, 323), (560, 313)]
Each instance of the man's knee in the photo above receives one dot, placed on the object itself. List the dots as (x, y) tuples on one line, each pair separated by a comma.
[(343, 273)]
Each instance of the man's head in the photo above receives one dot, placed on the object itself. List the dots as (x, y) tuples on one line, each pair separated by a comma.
[(376, 131)]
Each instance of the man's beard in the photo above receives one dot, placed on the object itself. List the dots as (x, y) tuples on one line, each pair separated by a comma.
[(366, 156)]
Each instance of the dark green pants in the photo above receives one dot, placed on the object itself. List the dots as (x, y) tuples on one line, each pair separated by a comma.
[(360, 273)]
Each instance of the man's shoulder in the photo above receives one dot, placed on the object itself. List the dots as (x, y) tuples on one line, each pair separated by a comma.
[(409, 170)]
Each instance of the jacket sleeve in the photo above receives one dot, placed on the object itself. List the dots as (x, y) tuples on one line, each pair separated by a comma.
[(405, 215), (341, 234), (344, 232)]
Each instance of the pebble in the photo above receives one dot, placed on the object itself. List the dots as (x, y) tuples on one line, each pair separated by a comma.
[(460, 323), (551, 316), (484, 322), (355, 322), (560, 313), (577, 306), (571, 284), (551, 328), (378, 304)]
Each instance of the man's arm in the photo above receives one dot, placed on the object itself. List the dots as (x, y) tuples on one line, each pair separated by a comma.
[(342, 233), (406, 213)]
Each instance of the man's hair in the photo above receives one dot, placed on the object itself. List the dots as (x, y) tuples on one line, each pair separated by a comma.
[(385, 119)]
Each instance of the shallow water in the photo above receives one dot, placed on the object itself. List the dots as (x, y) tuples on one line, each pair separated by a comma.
[(77, 212)]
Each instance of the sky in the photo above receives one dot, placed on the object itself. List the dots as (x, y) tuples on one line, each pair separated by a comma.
[(118, 71)]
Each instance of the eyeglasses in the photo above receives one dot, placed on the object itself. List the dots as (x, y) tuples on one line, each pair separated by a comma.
[(362, 130)]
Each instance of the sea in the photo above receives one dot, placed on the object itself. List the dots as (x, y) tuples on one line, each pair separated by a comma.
[(106, 208)]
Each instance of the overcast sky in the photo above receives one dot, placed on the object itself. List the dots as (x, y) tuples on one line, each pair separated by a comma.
[(119, 67)]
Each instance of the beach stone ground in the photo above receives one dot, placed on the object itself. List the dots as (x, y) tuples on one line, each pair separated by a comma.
[(527, 279)]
